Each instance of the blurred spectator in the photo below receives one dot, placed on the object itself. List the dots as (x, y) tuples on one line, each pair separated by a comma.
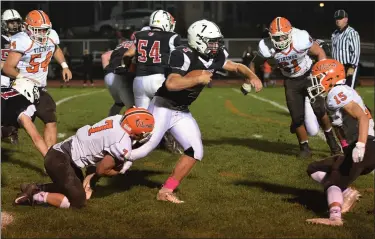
[(68, 60), (88, 63)]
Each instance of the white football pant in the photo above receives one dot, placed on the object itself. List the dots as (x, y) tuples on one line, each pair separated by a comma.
[(311, 122), (145, 87), (120, 88), (182, 126)]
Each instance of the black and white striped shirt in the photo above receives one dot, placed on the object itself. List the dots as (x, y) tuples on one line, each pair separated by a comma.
[(346, 46)]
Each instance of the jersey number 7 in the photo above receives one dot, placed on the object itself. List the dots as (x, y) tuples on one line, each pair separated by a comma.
[(154, 51)]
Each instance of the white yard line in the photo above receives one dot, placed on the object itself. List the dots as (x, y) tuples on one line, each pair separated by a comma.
[(75, 96), (277, 105)]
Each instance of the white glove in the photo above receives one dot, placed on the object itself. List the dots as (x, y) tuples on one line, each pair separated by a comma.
[(126, 166), (358, 152)]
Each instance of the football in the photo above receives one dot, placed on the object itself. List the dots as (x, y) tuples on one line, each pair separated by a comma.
[(197, 73)]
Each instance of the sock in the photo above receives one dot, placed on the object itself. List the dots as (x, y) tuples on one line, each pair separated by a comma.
[(335, 212), (334, 195), (304, 142), (40, 197), (171, 183), (318, 176), (328, 130), (344, 143)]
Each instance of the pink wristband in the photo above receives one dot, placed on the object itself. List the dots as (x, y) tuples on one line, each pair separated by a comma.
[(171, 183)]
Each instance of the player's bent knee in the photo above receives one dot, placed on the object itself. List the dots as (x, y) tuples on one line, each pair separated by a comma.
[(312, 168), (196, 154), (78, 200)]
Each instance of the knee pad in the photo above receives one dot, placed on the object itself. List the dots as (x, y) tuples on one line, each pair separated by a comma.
[(194, 154), (65, 203)]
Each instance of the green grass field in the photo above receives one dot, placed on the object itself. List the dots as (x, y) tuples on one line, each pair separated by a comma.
[(249, 184)]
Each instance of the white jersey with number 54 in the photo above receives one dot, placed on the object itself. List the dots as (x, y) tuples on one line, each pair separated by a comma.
[(340, 96), (292, 61), (35, 58)]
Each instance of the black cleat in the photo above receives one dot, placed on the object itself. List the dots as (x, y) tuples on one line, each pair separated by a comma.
[(26, 196), (305, 152)]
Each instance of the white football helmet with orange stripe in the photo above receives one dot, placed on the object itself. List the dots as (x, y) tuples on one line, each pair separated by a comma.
[(280, 32), (38, 26)]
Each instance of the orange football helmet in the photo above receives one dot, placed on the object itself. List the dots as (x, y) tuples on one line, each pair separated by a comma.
[(38, 26), (325, 74), (280, 32), (137, 122)]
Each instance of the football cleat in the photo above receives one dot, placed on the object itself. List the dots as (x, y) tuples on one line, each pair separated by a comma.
[(334, 221), (351, 197), (26, 196), (164, 195)]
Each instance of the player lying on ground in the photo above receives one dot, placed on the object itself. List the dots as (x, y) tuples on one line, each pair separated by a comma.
[(18, 110), (338, 172), (204, 55), (107, 143)]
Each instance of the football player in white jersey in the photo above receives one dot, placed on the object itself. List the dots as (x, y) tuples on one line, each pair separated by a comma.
[(338, 172), (107, 144), (291, 47), (30, 54)]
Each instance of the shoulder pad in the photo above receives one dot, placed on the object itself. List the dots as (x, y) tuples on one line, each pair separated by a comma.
[(20, 42), (54, 37), (339, 96), (301, 40)]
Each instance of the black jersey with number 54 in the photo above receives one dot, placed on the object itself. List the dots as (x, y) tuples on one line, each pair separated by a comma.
[(152, 51)]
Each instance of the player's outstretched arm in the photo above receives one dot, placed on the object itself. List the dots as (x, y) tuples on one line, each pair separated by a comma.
[(249, 75), (177, 82), (106, 56), (316, 50), (32, 131)]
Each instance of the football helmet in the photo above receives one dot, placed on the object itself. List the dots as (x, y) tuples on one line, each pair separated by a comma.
[(280, 32), (162, 20), (11, 22), (325, 74), (137, 122), (205, 37), (38, 26), (27, 88)]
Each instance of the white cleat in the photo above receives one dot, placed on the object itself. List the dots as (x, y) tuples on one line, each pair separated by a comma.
[(87, 187), (350, 199), (168, 196), (334, 221)]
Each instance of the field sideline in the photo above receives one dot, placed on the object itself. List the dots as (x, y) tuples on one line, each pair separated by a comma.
[(248, 185)]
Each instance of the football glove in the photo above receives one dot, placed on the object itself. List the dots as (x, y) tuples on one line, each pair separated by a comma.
[(125, 167), (358, 152), (245, 88)]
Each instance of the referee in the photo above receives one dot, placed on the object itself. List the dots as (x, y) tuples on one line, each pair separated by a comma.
[(346, 47)]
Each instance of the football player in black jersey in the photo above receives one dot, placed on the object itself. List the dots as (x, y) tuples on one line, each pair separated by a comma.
[(18, 110), (170, 106), (118, 77), (11, 23), (151, 50)]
